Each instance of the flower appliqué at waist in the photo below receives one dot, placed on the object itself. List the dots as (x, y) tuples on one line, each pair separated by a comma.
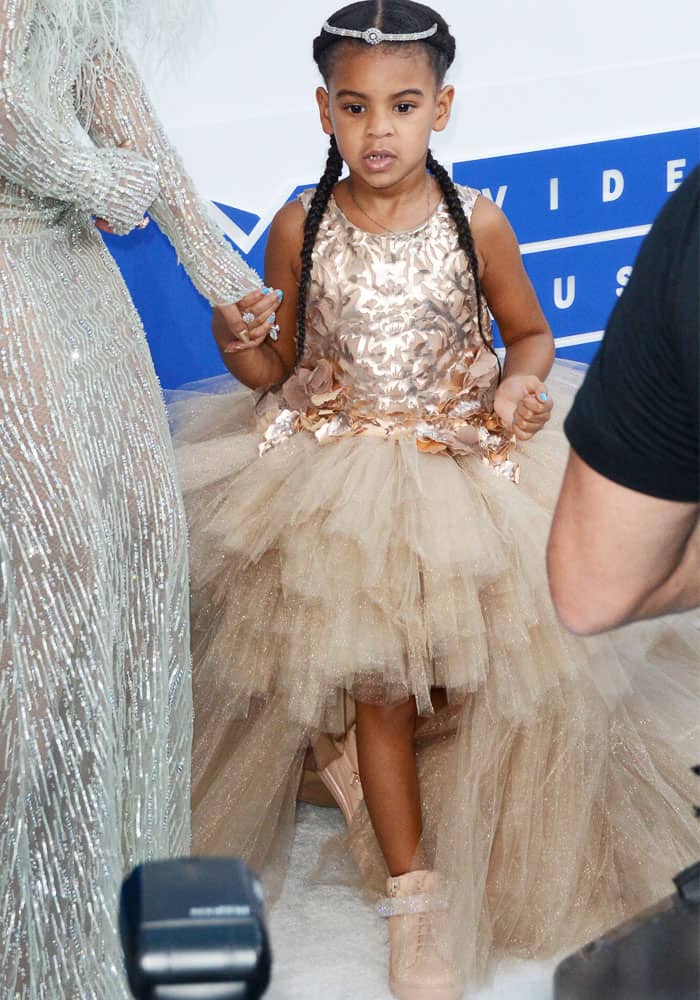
[(315, 402)]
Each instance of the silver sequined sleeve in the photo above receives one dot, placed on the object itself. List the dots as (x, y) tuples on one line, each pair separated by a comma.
[(122, 112), (40, 155)]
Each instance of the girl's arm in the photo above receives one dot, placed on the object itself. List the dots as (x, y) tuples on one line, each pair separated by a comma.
[(528, 340), (270, 362)]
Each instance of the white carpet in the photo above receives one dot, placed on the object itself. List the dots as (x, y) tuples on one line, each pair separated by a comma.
[(328, 942)]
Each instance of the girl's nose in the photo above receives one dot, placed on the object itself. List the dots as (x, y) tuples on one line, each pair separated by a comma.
[(378, 126)]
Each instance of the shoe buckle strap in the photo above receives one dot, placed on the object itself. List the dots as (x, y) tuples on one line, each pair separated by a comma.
[(399, 906)]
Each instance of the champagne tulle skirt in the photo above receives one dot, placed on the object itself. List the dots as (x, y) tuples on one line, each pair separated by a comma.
[(555, 785)]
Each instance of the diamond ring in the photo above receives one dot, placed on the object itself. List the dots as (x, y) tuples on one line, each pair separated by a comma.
[(274, 333), (248, 318)]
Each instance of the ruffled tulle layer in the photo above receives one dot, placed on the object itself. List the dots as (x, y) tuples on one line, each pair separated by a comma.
[(365, 567)]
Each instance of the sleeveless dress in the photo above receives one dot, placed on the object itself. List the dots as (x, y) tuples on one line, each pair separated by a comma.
[(95, 690), (373, 533)]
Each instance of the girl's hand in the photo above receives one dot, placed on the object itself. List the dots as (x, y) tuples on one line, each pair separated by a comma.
[(523, 403), (248, 323)]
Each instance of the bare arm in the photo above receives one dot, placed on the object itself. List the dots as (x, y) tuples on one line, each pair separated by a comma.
[(615, 555), (524, 329), (271, 362)]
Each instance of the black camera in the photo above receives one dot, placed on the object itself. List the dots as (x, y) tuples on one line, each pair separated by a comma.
[(654, 956), (194, 929)]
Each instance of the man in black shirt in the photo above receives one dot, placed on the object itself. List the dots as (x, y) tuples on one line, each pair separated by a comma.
[(625, 542)]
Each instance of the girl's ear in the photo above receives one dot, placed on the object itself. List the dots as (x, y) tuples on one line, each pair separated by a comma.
[(443, 108), (323, 101)]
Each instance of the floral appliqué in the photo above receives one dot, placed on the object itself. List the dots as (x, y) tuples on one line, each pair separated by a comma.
[(465, 424)]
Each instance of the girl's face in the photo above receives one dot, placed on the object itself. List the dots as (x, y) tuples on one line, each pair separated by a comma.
[(382, 105)]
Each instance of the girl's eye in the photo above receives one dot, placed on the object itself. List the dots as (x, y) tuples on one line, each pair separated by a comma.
[(354, 109), (404, 108)]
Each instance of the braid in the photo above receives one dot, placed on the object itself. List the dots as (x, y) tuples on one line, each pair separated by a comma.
[(466, 240), (319, 203)]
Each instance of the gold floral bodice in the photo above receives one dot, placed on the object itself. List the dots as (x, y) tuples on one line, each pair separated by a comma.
[(393, 345)]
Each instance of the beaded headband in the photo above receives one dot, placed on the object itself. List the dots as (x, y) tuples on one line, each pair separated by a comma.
[(373, 36)]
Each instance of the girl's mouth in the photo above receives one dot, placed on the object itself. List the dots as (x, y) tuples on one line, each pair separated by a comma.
[(379, 159)]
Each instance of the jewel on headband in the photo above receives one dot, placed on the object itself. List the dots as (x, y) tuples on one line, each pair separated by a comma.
[(373, 36)]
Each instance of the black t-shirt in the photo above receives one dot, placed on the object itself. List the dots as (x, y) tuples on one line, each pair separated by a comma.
[(635, 418)]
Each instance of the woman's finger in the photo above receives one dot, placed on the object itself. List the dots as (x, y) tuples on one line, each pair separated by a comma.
[(236, 347), (262, 322), (266, 307), (250, 300), (260, 301), (264, 326), (254, 339)]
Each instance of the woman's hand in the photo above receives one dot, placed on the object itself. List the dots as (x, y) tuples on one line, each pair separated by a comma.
[(104, 225), (523, 404), (106, 228), (248, 323)]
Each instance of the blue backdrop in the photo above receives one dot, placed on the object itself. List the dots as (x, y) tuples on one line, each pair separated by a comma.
[(579, 213)]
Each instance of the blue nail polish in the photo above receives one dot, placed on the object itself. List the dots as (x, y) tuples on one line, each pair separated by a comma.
[(266, 290), (280, 294), (271, 320), (544, 397)]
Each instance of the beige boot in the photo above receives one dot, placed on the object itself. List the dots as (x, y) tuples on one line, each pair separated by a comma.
[(342, 777), (419, 967)]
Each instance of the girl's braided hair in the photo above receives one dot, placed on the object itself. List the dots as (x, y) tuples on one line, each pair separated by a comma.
[(391, 17)]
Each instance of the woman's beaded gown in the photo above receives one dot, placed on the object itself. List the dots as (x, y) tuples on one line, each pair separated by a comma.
[(95, 702)]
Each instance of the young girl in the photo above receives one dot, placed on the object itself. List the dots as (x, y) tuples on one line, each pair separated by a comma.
[(361, 547)]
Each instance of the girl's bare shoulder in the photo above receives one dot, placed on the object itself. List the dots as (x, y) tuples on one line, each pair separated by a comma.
[(488, 219), (288, 223)]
